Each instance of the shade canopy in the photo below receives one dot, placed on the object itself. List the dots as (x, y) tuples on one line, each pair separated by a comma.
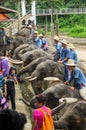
[(6, 10)]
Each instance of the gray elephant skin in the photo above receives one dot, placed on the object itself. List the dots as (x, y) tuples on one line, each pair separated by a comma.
[(32, 66), (74, 117), (54, 93), (46, 69)]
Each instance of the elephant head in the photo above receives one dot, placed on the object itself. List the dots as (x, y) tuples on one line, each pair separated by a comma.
[(46, 69), (73, 118), (56, 92)]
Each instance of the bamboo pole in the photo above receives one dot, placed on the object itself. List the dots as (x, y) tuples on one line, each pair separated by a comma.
[(18, 15)]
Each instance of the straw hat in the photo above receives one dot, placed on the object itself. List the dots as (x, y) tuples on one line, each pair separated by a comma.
[(71, 63), (35, 32), (71, 46), (64, 41), (40, 35), (56, 38)]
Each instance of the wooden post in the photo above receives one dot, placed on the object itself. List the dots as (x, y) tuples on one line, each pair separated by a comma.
[(52, 26), (10, 31), (57, 25), (18, 15), (46, 26)]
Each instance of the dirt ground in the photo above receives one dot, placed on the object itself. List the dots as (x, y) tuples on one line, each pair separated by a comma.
[(81, 51)]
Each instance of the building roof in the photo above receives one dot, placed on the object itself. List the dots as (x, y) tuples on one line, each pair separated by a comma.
[(5, 18), (6, 10)]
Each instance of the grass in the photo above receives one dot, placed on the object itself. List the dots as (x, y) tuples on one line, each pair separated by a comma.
[(78, 35), (76, 31)]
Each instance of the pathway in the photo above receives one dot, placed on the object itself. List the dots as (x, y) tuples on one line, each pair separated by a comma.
[(20, 107)]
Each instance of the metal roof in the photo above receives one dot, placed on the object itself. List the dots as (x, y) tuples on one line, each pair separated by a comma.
[(6, 10), (5, 18)]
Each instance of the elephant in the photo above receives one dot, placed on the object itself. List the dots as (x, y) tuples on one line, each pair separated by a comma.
[(45, 69), (32, 66), (74, 117), (22, 49), (24, 32), (29, 56), (17, 41), (18, 49), (56, 92), (54, 110)]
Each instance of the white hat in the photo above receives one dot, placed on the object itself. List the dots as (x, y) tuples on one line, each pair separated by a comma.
[(35, 32), (56, 38), (64, 41), (40, 35), (71, 63), (29, 26), (71, 46)]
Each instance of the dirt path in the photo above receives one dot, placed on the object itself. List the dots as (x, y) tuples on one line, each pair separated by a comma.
[(79, 41), (20, 107)]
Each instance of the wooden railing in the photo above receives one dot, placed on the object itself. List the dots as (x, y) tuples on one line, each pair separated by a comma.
[(61, 11), (13, 27)]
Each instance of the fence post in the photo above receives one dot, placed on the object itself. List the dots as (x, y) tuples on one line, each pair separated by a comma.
[(18, 15), (52, 26), (57, 25)]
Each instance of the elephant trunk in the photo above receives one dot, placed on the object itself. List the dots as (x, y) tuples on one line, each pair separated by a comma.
[(58, 108), (25, 102), (33, 102), (62, 124), (18, 49)]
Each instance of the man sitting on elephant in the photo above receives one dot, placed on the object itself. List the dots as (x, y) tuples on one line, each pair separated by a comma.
[(65, 55), (78, 77), (37, 40)]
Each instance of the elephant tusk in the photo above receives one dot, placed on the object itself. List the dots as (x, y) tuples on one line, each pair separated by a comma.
[(69, 100), (51, 79), (31, 79), (15, 61)]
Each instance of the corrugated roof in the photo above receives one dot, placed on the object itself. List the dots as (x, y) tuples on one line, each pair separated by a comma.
[(6, 10)]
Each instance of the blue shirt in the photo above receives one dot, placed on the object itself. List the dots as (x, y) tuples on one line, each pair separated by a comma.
[(65, 54), (31, 32), (79, 78), (58, 46), (44, 43), (37, 42), (73, 55)]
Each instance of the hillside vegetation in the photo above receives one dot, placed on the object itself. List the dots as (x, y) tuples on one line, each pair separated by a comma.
[(73, 25)]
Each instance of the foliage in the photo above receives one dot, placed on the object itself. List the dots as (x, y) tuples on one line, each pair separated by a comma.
[(67, 23), (44, 4)]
